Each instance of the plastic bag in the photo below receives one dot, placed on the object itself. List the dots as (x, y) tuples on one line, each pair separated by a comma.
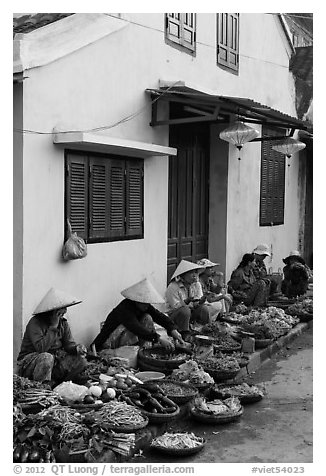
[(75, 247), (71, 392)]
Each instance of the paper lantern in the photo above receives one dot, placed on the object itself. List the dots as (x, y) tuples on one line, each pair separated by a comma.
[(289, 146)]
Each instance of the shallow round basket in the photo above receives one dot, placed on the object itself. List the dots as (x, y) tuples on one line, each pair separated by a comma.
[(220, 375), (128, 428), (144, 357), (179, 451), (190, 391), (214, 419), (150, 375), (262, 343), (159, 418), (217, 391), (225, 350)]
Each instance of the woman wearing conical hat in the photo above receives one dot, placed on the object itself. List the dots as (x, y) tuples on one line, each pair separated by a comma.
[(48, 352), (185, 297), (296, 275), (132, 320)]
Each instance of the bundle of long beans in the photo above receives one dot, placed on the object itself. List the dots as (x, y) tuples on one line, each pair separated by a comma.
[(61, 414), (177, 440), (42, 396), (119, 414)]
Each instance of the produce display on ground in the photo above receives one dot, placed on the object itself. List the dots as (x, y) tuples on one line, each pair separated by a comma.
[(150, 397), (301, 307), (191, 372), (220, 362), (177, 440), (237, 390), (215, 407)]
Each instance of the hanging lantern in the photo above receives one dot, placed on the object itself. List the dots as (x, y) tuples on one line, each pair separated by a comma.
[(289, 146), (238, 134)]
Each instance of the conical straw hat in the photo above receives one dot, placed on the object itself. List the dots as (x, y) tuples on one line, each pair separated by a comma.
[(185, 266), (143, 292), (55, 299)]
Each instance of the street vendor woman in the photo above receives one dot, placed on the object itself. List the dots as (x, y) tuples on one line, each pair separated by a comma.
[(132, 321), (48, 352), (245, 287), (296, 275), (218, 302), (185, 298)]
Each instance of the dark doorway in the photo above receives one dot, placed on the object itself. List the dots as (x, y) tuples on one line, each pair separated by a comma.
[(188, 195)]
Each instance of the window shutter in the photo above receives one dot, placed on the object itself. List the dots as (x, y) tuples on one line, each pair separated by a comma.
[(173, 26), (116, 198), (77, 193), (228, 40), (98, 198), (188, 25), (134, 197), (272, 184)]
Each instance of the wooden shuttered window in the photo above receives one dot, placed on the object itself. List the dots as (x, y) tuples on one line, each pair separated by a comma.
[(180, 28), (104, 197), (228, 40), (272, 183), (76, 189)]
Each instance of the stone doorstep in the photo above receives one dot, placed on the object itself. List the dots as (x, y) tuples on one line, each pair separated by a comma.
[(144, 437)]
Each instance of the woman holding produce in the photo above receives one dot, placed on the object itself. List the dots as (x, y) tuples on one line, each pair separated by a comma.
[(217, 301), (185, 297), (131, 322), (244, 286), (48, 352)]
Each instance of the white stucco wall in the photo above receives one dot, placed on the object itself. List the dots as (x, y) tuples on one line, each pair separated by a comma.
[(100, 84)]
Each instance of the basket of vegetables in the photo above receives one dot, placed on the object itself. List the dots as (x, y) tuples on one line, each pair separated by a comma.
[(159, 357), (152, 401), (244, 392), (221, 368), (216, 411), (302, 310), (120, 417), (178, 444), (178, 392), (226, 344)]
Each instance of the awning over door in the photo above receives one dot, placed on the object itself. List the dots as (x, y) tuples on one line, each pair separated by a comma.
[(192, 105)]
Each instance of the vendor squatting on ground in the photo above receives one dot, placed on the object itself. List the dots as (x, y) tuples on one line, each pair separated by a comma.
[(49, 354)]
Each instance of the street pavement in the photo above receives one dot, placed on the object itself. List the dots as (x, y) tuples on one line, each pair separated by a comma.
[(278, 429)]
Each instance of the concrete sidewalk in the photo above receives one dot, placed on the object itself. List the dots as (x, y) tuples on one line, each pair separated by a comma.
[(256, 359)]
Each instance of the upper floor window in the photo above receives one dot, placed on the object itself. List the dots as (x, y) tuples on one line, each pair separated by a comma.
[(180, 29), (228, 40), (272, 183), (104, 196)]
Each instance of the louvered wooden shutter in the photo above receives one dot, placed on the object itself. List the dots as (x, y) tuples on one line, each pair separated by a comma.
[(228, 40), (181, 28), (98, 198), (116, 198), (173, 27), (77, 193), (272, 184), (134, 197)]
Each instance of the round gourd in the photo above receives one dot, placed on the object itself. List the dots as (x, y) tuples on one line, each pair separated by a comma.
[(95, 390), (111, 393)]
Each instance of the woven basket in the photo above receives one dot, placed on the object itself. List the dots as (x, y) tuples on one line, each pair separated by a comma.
[(144, 358), (214, 419), (217, 391), (220, 348), (220, 375), (179, 451), (159, 418), (127, 428), (182, 398)]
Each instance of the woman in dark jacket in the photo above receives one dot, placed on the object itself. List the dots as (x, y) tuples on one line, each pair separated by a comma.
[(244, 286), (296, 275)]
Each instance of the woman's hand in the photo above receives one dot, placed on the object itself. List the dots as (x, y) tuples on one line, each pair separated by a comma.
[(166, 344), (177, 336), (81, 349)]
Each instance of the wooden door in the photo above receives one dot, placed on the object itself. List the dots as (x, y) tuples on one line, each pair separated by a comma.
[(188, 195)]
